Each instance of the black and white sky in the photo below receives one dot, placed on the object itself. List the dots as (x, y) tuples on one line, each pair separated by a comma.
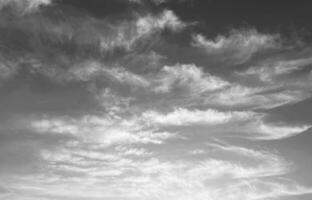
[(155, 100)]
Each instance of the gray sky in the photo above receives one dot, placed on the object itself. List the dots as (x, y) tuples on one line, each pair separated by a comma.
[(155, 100)]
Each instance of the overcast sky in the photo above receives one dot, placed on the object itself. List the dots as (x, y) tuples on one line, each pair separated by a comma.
[(155, 100)]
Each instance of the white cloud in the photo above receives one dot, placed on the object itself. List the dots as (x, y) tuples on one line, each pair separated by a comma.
[(133, 151), (112, 102), (245, 124), (184, 117), (106, 130), (187, 76), (238, 47), (251, 153), (270, 70), (7, 69), (129, 149), (196, 151), (103, 173), (126, 35), (157, 2), (261, 189), (277, 131), (24, 6), (90, 70), (269, 163), (124, 76), (180, 79), (102, 36), (215, 169), (256, 97), (167, 19), (257, 128)]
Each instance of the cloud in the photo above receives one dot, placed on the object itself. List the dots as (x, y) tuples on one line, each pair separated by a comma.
[(148, 108), (238, 47), (156, 2), (243, 124), (184, 117), (24, 6), (190, 77), (162, 179), (190, 82), (243, 151), (275, 131), (93, 165), (132, 151), (183, 80), (92, 39), (263, 97), (220, 170), (107, 130), (269, 163), (142, 28), (167, 19), (258, 189), (112, 102), (7, 69), (91, 70), (271, 70)]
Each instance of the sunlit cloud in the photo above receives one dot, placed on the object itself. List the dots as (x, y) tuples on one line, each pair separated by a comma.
[(184, 117), (238, 47), (149, 103), (107, 131)]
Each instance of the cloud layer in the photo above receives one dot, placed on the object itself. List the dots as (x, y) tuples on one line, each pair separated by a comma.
[(145, 104)]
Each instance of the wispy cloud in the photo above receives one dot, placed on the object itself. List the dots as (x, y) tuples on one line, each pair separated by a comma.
[(184, 117), (251, 125), (257, 97), (141, 105), (93, 39), (107, 130), (190, 76), (24, 6), (269, 71), (238, 47)]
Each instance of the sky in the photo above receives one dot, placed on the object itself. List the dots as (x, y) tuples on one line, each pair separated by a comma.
[(155, 100)]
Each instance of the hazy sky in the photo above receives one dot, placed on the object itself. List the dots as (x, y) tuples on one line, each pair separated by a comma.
[(155, 100)]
